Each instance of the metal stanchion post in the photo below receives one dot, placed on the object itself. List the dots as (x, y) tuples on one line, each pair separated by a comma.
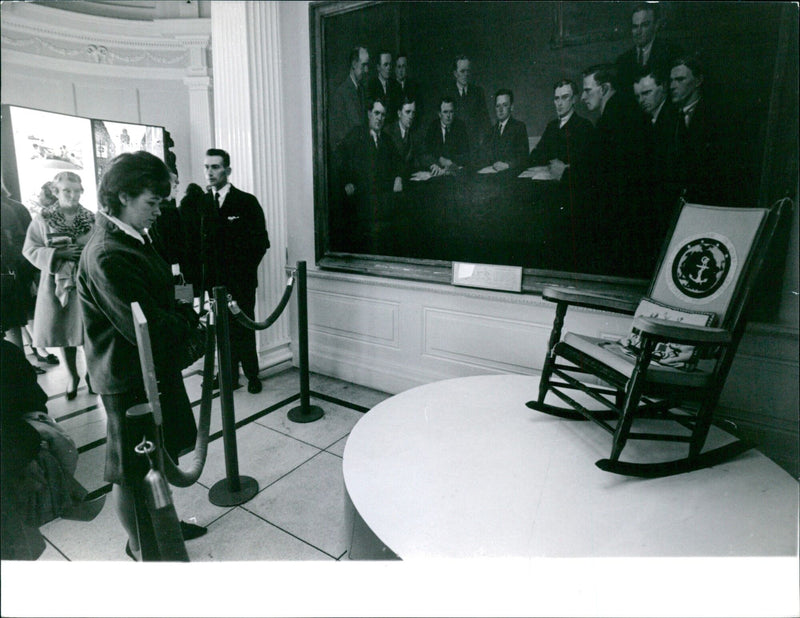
[(234, 489), (138, 425), (305, 412)]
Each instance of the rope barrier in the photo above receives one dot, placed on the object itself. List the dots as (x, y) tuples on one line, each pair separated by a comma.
[(245, 321)]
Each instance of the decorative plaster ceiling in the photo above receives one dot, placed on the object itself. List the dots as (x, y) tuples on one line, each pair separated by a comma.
[(137, 10)]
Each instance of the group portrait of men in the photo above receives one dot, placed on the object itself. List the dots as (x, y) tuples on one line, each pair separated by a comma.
[(654, 138)]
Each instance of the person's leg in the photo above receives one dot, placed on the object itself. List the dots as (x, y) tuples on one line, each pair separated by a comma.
[(70, 360), (14, 335), (123, 500), (246, 338)]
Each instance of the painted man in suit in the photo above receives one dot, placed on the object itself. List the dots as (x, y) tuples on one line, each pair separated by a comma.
[(406, 138), (650, 51), (370, 175), (382, 85), (617, 182), (505, 145), (565, 140), (227, 232), (470, 103), (652, 93), (698, 146), (350, 98), (409, 87), (446, 147)]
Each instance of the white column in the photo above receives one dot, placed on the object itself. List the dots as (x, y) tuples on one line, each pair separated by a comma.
[(200, 86), (245, 43)]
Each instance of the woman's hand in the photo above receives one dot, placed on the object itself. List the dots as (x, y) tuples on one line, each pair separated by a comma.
[(70, 253)]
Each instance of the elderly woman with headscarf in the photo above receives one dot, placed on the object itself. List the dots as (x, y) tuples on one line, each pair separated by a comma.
[(53, 244)]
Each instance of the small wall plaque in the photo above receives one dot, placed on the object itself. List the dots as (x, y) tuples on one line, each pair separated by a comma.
[(488, 276)]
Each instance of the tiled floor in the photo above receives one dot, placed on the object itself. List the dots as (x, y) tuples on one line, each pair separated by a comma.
[(298, 512)]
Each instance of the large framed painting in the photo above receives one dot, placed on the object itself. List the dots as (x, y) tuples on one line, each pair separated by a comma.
[(386, 207)]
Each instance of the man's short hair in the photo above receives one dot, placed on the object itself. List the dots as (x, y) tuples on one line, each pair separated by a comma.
[(445, 99), (406, 100), (692, 62), (401, 54), (371, 103), (503, 91), (603, 74), (218, 152), (658, 74), (566, 82), (458, 59), (646, 6), (354, 55), (381, 53)]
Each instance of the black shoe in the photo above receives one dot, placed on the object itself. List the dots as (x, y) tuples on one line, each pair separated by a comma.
[(129, 551), (73, 392), (254, 386), (39, 371), (192, 531), (50, 359)]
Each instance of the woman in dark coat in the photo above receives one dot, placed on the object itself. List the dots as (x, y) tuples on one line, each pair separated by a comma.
[(119, 266)]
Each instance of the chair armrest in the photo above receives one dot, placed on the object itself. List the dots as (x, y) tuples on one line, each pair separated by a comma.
[(592, 300), (669, 330)]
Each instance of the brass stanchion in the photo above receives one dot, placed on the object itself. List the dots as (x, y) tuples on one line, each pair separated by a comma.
[(157, 522), (305, 412), (234, 489)]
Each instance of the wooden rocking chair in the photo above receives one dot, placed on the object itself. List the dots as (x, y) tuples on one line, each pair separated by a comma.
[(673, 364)]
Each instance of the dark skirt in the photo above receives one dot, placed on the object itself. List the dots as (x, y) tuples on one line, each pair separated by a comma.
[(179, 428)]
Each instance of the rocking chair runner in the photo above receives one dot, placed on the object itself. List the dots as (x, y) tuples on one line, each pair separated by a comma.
[(684, 335)]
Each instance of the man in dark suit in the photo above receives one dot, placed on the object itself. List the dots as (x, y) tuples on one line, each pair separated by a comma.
[(470, 103), (350, 98), (406, 138), (697, 154), (565, 140), (409, 87), (649, 50), (446, 147), (228, 234), (370, 175), (505, 145), (651, 90), (617, 181), (383, 86)]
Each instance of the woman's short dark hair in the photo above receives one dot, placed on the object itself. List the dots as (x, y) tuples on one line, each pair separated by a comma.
[(132, 173)]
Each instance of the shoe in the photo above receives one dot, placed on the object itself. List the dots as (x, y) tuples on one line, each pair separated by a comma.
[(192, 531), (254, 386), (86, 510), (129, 551), (50, 359), (73, 392), (37, 369), (88, 384)]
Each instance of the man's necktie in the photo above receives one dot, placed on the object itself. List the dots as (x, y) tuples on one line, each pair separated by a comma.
[(639, 56), (216, 200)]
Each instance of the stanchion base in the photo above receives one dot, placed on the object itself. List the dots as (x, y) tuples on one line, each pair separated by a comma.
[(221, 495), (299, 415)]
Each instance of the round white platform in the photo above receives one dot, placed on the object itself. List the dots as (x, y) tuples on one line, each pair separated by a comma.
[(462, 468)]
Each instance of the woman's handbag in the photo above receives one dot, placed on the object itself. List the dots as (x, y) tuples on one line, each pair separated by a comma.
[(195, 345)]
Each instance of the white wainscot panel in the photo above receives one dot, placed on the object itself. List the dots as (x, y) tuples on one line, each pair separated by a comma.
[(482, 341), (354, 318)]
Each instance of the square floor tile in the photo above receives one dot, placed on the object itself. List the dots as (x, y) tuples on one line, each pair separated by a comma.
[(262, 453), (337, 448), (100, 539), (240, 535), (308, 503), (91, 466), (352, 393), (336, 422)]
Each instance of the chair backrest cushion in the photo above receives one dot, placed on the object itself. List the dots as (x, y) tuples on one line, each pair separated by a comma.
[(675, 355), (706, 258)]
